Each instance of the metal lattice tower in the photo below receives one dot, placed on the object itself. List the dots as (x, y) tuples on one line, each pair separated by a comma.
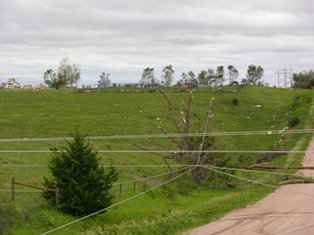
[(284, 77)]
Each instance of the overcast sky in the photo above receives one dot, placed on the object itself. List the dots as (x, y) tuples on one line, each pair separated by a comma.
[(122, 37)]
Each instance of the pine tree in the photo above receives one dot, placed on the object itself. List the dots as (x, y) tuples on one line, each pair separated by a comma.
[(83, 184)]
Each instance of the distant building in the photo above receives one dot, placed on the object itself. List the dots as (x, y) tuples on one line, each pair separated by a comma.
[(11, 84)]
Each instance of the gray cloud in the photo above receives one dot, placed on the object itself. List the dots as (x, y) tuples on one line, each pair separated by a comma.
[(123, 37)]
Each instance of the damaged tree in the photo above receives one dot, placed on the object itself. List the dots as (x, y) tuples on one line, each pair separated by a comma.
[(192, 146)]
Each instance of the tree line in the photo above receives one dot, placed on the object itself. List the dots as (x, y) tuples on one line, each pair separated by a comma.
[(209, 77), (303, 79), (69, 74)]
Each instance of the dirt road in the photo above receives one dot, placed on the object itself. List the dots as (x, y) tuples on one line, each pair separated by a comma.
[(289, 210)]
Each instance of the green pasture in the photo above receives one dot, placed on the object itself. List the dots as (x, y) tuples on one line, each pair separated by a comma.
[(130, 112)]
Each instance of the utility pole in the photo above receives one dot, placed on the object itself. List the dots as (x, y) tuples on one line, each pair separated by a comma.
[(284, 77)]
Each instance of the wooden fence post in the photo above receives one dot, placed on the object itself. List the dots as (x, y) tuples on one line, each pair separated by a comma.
[(13, 183), (57, 197), (134, 187), (120, 191), (12, 189)]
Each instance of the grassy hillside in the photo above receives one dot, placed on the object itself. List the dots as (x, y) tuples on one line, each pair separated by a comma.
[(50, 113), (29, 114)]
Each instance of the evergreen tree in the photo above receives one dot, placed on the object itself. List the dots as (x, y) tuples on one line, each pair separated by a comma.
[(83, 184)]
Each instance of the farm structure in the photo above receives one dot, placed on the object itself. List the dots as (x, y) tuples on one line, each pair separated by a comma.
[(12, 84)]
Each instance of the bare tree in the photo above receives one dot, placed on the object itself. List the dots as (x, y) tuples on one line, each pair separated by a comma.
[(191, 146)]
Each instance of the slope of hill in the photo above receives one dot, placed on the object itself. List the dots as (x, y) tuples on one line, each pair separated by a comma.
[(53, 114)]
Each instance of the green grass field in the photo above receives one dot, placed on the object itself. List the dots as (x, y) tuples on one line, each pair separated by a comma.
[(57, 114)]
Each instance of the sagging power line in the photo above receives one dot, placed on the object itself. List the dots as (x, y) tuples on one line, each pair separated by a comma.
[(117, 204), (167, 151), (256, 182), (237, 133)]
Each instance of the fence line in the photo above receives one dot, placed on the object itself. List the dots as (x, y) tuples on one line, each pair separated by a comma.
[(13, 183), (120, 185), (119, 203)]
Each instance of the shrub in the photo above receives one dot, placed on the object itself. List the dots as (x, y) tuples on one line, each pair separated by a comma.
[(293, 122), (9, 217), (235, 101), (84, 186)]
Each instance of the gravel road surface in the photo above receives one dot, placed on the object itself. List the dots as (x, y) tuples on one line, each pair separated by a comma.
[(289, 210)]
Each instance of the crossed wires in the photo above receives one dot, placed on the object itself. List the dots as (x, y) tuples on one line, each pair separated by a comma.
[(191, 167)]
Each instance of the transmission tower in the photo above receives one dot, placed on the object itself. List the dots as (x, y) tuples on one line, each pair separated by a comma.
[(284, 77)]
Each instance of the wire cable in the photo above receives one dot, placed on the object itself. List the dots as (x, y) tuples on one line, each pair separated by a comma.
[(151, 177), (257, 182), (106, 166), (185, 168), (167, 151), (117, 204), (236, 133), (115, 184), (257, 171)]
